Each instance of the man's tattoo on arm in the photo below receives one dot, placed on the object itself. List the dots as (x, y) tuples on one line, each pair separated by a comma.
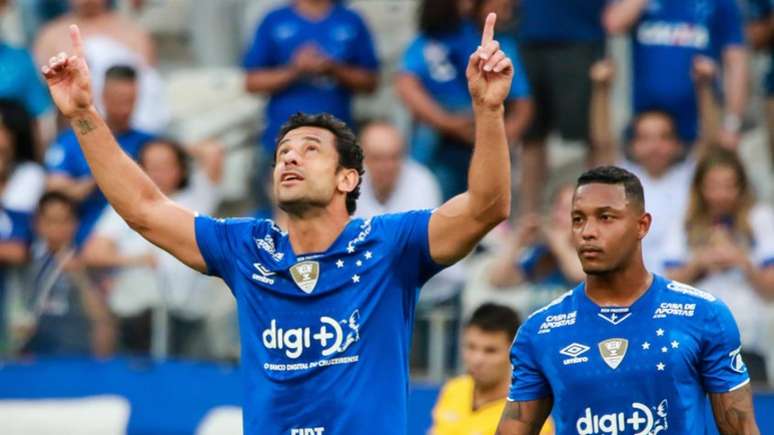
[(524, 417), (85, 126), (734, 414)]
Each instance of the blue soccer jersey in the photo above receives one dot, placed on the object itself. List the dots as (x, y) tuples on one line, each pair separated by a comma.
[(325, 337), (643, 369)]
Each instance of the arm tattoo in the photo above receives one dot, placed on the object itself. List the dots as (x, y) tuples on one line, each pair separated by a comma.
[(734, 413), (85, 126), (524, 418)]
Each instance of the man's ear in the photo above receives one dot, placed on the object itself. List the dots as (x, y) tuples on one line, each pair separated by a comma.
[(643, 225), (348, 180)]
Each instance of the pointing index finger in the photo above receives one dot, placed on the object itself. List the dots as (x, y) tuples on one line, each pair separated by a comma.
[(488, 34), (75, 38)]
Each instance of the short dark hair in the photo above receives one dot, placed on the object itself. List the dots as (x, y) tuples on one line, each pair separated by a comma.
[(439, 17), (19, 123), (182, 157), (121, 72), (615, 175), (491, 317), (347, 145), (54, 197)]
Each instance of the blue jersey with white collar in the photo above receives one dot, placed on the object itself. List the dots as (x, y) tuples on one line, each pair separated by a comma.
[(325, 337), (643, 369)]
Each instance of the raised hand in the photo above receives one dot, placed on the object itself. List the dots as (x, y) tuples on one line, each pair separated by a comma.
[(490, 71), (68, 78)]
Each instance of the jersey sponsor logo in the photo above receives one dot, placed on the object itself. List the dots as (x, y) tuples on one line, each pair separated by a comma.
[(295, 341), (673, 34), (690, 291), (263, 274), (614, 315), (557, 321), (574, 351), (641, 420), (439, 65), (305, 275), (613, 351), (267, 244), (674, 309), (737, 363), (307, 431)]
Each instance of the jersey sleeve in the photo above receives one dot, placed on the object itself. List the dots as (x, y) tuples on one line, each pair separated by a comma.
[(219, 243), (411, 244), (727, 25), (59, 157), (259, 54), (722, 368), (364, 52), (527, 380)]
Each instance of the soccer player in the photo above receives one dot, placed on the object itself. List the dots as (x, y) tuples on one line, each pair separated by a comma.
[(326, 308), (626, 351)]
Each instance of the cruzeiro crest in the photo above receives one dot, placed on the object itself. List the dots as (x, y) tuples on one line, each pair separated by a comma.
[(306, 274), (613, 351)]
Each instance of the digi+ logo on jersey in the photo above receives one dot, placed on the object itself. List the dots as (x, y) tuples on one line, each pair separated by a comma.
[(642, 420), (332, 335)]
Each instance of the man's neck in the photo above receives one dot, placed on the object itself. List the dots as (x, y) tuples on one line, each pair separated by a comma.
[(315, 232), (620, 288), (483, 395), (313, 9)]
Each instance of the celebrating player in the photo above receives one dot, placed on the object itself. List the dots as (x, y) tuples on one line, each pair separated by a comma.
[(326, 308), (627, 351)]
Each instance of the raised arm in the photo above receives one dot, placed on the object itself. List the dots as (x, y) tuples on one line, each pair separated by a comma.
[(525, 418), (734, 412), (131, 193), (457, 226), (602, 74)]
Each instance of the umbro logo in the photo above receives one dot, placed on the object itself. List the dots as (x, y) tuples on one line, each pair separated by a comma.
[(264, 272), (574, 351)]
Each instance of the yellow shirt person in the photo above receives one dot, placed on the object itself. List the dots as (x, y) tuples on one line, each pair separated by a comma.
[(454, 414)]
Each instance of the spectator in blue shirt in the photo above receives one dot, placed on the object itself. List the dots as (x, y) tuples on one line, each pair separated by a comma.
[(67, 167), (559, 40), (433, 86), (666, 37), (309, 56), (759, 19)]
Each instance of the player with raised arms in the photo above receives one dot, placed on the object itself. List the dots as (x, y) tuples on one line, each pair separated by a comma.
[(326, 308), (626, 351)]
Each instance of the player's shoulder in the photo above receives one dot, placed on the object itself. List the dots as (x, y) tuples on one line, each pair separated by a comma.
[(687, 300), (562, 311), (395, 220)]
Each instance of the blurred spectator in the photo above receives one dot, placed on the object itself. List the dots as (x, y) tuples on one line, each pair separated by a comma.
[(473, 403), (26, 180), (433, 86), (666, 36), (540, 253), (68, 170), (759, 19), (145, 277), (393, 182), (309, 56), (560, 40), (655, 153), (15, 236), (36, 13), (69, 314), (94, 18), (725, 245), (21, 81)]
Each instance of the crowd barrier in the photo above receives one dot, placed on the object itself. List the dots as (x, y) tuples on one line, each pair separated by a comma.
[(143, 397)]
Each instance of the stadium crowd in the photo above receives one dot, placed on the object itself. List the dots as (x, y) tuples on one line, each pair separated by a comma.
[(680, 92)]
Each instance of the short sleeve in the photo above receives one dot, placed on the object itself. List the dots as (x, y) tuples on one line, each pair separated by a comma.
[(59, 159), (413, 60), (36, 96), (364, 52), (762, 224), (519, 85), (218, 241), (722, 368), (258, 55), (727, 25), (527, 380), (675, 249), (411, 244)]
